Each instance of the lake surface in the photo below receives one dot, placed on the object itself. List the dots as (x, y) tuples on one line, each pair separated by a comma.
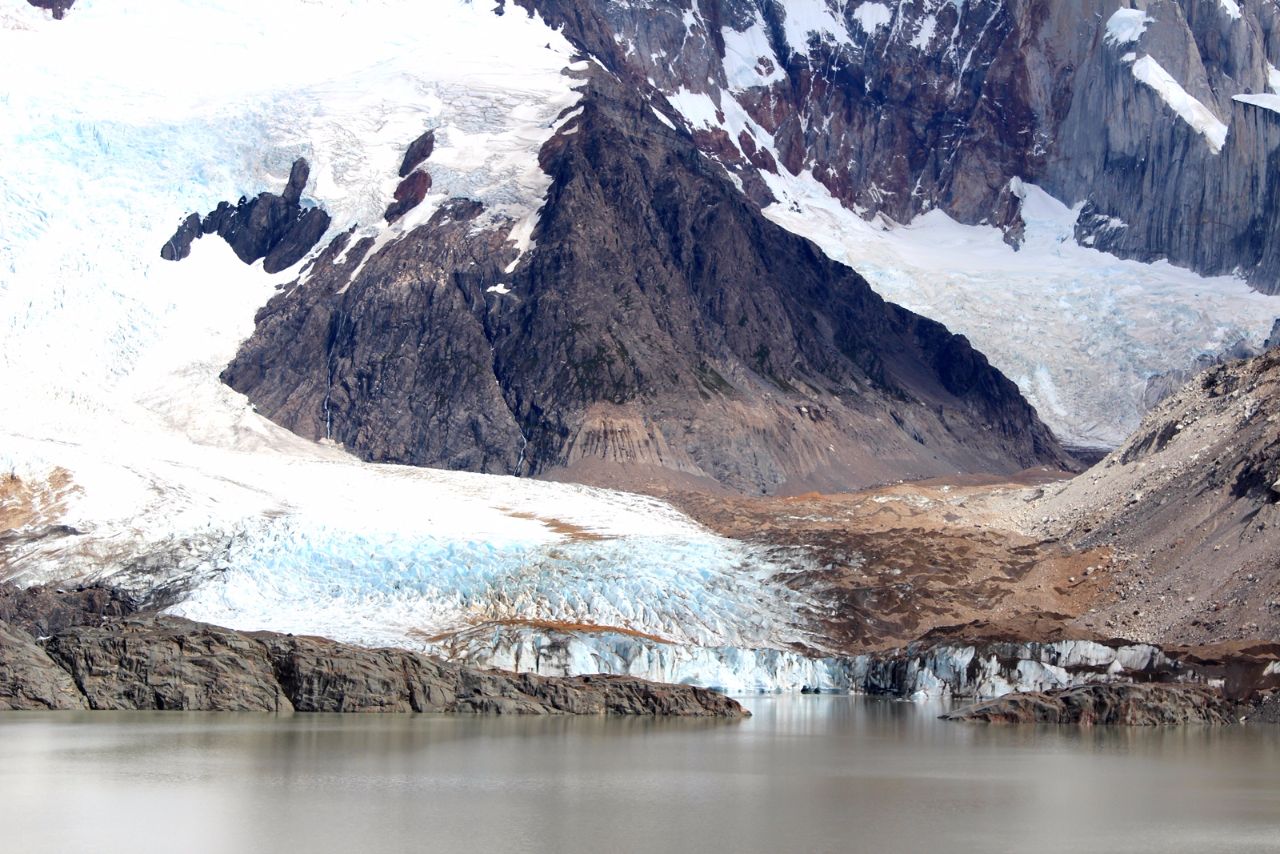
[(805, 774)]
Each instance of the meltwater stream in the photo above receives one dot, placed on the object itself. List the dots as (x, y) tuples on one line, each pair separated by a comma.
[(830, 773)]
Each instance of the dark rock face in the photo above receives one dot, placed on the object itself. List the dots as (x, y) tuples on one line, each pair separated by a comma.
[(419, 150), (409, 194), (57, 7), (943, 103), (321, 676), (1122, 705), (44, 611), (29, 679), (274, 228), (179, 246), (167, 663), (661, 321)]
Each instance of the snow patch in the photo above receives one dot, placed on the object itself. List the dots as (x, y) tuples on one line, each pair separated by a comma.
[(1266, 102), (1231, 7), (748, 57), (1126, 26), (1273, 78), (803, 17), (1191, 111), (872, 16), (924, 36)]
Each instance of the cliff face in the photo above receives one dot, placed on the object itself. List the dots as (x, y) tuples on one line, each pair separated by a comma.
[(1132, 114), (659, 323), (167, 663)]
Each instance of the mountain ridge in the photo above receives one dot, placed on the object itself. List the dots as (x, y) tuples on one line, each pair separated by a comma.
[(655, 298)]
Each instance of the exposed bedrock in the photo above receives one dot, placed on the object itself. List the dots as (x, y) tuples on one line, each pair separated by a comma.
[(167, 663), (1123, 705), (419, 150), (901, 108), (29, 679), (660, 323), (274, 228), (408, 195)]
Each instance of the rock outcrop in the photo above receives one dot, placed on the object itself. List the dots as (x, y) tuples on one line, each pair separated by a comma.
[(57, 7), (274, 228), (1122, 705), (660, 322), (168, 663), (46, 610), (900, 108), (323, 676), (29, 679), (408, 195), (419, 150)]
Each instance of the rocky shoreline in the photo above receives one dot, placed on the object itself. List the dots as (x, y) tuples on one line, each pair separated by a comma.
[(105, 661), (90, 648), (1118, 705)]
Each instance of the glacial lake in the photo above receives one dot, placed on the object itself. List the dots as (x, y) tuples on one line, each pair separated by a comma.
[(827, 773)]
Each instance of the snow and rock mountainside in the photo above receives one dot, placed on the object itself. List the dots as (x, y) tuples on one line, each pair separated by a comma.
[(903, 107), (1042, 123), (658, 322), (123, 456), (1192, 504), (131, 462)]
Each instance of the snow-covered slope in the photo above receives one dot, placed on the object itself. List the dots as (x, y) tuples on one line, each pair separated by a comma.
[(1080, 331), (125, 116)]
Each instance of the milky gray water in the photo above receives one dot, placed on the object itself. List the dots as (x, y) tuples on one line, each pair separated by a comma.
[(805, 774)]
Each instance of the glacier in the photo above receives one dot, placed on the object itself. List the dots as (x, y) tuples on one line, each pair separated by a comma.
[(147, 472)]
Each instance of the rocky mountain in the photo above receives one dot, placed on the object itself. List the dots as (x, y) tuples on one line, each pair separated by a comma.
[(1192, 503), (1156, 119), (599, 242), (658, 327)]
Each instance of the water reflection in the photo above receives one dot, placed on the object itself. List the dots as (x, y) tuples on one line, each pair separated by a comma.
[(804, 774)]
